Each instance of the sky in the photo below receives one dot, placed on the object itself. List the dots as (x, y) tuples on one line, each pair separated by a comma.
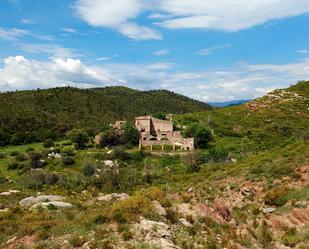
[(208, 50)]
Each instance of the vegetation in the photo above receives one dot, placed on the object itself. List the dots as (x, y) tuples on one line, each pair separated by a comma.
[(31, 116), (247, 182)]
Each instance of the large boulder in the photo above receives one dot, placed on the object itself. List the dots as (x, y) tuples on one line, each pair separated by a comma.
[(114, 196), (155, 233), (51, 204), (30, 201)]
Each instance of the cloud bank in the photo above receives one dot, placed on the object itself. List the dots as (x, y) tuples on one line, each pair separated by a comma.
[(241, 81), (222, 15)]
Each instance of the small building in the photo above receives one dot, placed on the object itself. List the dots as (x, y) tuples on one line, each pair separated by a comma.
[(155, 131)]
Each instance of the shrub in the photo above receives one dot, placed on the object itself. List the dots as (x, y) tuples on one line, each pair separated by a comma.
[(218, 155), (2, 155), (79, 139), (88, 169), (37, 160), (131, 209), (34, 179), (29, 150), (68, 152), (172, 215), (101, 219), (21, 157), (14, 153), (265, 236), (130, 135), (277, 197), (121, 154), (68, 160), (48, 143), (13, 166), (201, 133), (77, 241)]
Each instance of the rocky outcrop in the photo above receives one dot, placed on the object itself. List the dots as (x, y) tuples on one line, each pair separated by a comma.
[(155, 234), (30, 201), (9, 192), (51, 204), (113, 196)]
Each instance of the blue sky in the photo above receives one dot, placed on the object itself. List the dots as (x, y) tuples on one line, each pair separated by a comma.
[(209, 50)]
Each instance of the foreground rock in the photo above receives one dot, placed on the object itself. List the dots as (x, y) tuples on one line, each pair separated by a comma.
[(155, 234), (51, 204), (114, 196), (9, 192), (30, 201)]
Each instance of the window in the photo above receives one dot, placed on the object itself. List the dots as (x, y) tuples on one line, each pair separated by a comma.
[(144, 138), (143, 130)]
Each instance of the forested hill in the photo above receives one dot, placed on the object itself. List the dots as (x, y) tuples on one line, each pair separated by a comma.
[(60, 109)]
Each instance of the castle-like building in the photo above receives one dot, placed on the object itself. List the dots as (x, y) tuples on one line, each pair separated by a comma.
[(155, 131)]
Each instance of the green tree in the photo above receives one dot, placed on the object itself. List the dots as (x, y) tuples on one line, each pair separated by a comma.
[(130, 135), (80, 139), (201, 133)]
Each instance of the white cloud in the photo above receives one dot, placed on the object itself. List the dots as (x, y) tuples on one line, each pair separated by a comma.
[(116, 14), (228, 15), (240, 81), (27, 21), (21, 73), (207, 51), (53, 50), (223, 15), (104, 58), (161, 52), (69, 30), (12, 34), (303, 51)]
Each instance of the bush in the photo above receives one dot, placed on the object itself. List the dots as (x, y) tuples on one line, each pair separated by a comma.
[(48, 143), (14, 153), (68, 152), (79, 139), (131, 209), (201, 133), (88, 169), (37, 160), (77, 241), (130, 135), (13, 166), (21, 157), (29, 150), (2, 155), (121, 154), (68, 160), (277, 197), (218, 155), (34, 179)]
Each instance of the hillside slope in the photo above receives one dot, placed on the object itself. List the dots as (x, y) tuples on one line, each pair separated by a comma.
[(60, 109), (263, 123)]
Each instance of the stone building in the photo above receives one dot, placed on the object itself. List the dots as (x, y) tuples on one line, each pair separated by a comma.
[(155, 131)]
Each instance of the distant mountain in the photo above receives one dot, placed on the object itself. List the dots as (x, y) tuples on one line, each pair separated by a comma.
[(227, 103), (23, 113)]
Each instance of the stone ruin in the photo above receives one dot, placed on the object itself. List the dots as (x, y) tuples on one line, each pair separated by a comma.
[(155, 132)]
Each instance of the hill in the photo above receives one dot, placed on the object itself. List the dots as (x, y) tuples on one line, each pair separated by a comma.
[(227, 103), (275, 119), (57, 110), (248, 189)]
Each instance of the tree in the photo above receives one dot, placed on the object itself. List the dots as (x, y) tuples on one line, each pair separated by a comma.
[(201, 133), (48, 143), (80, 139), (130, 135), (160, 115)]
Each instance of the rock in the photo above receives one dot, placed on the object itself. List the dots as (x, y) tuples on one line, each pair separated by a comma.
[(190, 190), (157, 233), (9, 192), (110, 163), (30, 201), (10, 241), (268, 210), (116, 196), (46, 205), (5, 193), (233, 160), (185, 223), (158, 208), (1, 206)]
